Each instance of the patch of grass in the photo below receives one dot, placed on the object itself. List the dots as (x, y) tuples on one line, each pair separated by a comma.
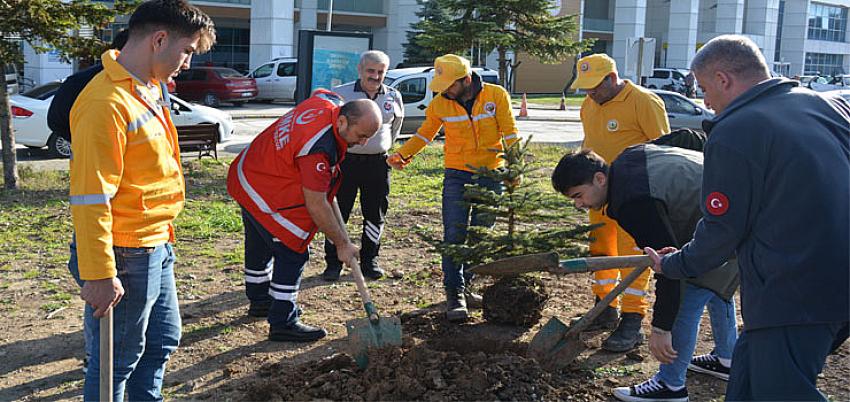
[(616, 371), (226, 330), (31, 274)]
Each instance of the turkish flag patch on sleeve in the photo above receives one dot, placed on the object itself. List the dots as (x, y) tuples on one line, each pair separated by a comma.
[(717, 203)]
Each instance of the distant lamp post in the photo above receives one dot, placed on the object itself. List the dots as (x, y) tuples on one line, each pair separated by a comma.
[(330, 15)]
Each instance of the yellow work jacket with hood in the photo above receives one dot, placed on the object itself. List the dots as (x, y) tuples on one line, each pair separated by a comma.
[(126, 180), (472, 139)]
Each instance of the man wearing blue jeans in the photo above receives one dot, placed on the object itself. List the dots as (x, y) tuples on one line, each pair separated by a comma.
[(456, 215), (126, 189), (652, 191), (478, 120)]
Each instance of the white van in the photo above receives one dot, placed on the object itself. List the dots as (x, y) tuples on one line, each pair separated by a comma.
[(413, 84), (276, 79)]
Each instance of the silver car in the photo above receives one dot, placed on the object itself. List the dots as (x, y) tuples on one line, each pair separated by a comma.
[(683, 112)]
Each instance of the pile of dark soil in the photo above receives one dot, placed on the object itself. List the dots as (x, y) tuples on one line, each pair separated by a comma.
[(441, 369), (516, 300)]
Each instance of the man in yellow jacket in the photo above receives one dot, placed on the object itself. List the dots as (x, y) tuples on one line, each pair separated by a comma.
[(126, 189), (476, 117), (616, 114)]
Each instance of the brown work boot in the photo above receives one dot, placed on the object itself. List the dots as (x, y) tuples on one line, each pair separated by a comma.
[(456, 306)]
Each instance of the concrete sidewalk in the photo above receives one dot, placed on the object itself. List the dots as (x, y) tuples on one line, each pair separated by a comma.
[(275, 110)]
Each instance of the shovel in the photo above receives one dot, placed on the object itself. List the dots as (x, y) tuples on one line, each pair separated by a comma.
[(106, 356), (371, 332), (549, 262), (556, 345)]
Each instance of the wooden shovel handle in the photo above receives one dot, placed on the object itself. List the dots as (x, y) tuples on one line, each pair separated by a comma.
[(588, 318), (106, 356), (363, 290)]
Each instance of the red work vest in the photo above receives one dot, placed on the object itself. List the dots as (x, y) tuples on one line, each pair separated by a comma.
[(265, 180)]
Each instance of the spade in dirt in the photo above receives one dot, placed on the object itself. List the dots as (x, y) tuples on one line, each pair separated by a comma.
[(371, 332), (556, 345)]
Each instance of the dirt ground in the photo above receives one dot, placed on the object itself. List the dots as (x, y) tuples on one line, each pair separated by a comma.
[(224, 354)]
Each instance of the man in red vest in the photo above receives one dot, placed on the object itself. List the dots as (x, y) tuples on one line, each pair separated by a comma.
[(286, 181)]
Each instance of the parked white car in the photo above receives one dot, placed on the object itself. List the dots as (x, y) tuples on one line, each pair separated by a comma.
[(664, 78), (29, 119), (683, 112), (824, 83), (413, 85), (276, 79)]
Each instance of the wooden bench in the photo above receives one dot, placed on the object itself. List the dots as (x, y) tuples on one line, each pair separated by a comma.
[(200, 137)]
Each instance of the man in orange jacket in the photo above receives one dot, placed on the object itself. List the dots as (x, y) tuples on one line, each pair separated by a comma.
[(477, 117), (126, 189), (616, 114), (286, 182)]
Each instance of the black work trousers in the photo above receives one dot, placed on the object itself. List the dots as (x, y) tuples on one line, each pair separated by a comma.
[(369, 175)]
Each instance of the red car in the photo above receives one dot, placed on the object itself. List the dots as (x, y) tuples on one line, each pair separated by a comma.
[(213, 85)]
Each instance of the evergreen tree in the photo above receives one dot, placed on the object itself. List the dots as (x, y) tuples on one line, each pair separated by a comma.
[(414, 52), (46, 25), (504, 25), (528, 220)]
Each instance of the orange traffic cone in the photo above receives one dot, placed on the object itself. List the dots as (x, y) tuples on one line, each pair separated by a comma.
[(563, 103), (523, 109)]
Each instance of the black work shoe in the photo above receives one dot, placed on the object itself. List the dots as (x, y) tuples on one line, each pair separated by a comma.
[(627, 336), (605, 321), (709, 364), (372, 271), (473, 300), (298, 332), (456, 306), (332, 273), (651, 390), (259, 309)]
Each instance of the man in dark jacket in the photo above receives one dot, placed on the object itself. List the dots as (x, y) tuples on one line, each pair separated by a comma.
[(58, 116), (776, 193), (653, 193)]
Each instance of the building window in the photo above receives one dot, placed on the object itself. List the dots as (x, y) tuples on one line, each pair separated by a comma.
[(231, 50), (824, 63), (827, 23)]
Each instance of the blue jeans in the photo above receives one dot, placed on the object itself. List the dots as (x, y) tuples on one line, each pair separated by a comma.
[(686, 327), (272, 272), (146, 324), (456, 219)]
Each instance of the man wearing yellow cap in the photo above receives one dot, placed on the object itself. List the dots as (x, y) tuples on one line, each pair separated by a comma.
[(615, 115), (476, 117)]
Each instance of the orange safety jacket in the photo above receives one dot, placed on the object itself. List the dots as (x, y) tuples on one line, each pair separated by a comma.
[(264, 178), (472, 140), (126, 180)]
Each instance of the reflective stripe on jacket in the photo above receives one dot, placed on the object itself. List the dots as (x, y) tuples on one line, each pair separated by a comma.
[(264, 178), (471, 139), (126, 180)]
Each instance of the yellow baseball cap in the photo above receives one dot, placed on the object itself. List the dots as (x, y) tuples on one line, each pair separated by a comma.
[(592, 69), (448, 69)]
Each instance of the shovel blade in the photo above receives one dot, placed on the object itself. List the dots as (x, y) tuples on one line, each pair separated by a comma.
[(545, 341), (363, 334), (554, 346)]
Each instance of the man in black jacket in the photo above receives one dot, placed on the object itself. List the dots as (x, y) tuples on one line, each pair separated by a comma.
[(653, 193), (776, 193), (59, 114)]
